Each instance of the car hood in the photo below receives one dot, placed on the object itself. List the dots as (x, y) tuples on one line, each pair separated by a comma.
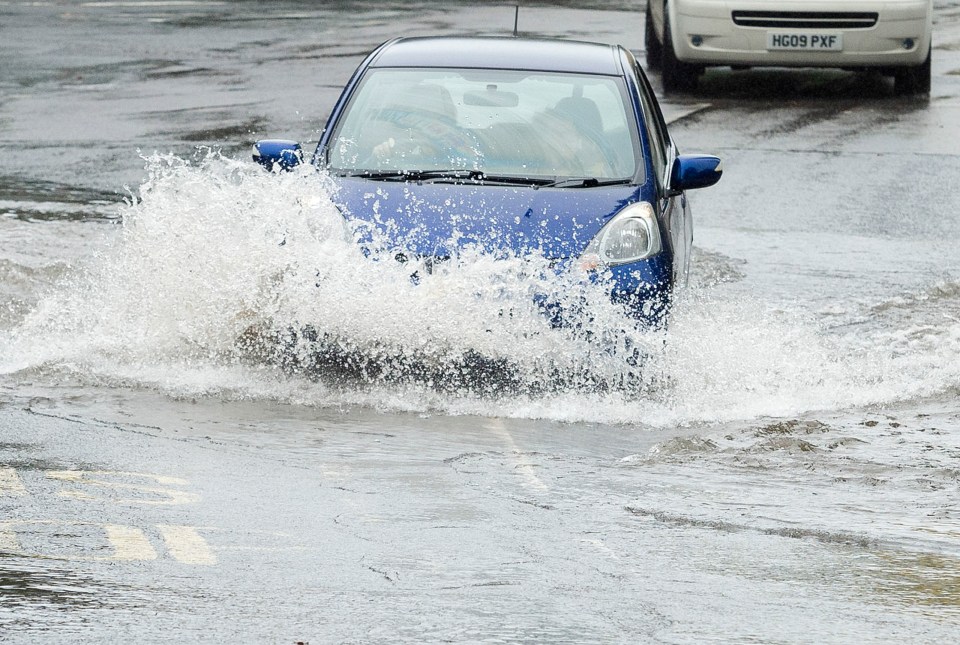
[(434, 219)]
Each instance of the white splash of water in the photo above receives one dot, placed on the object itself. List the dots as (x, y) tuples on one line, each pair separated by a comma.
[(218, 261)]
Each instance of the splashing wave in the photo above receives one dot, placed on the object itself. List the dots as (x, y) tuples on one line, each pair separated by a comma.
[(224, 280)]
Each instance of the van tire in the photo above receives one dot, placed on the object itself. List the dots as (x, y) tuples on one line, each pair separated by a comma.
[(677, 75), (650, 41), (913, 80)]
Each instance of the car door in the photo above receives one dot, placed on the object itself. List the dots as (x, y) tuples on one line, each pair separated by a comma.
[(674, 208)]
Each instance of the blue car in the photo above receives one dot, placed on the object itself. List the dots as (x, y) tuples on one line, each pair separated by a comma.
[(513, 145)]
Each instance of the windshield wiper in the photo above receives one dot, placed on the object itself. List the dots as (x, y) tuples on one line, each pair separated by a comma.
[(514, 180), (459, 174), (585, 182), (417, 175)]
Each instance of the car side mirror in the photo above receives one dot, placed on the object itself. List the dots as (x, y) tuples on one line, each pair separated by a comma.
[(277, 154), (694, 171)]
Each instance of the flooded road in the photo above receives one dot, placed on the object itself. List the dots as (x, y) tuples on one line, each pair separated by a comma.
[(788, 472)]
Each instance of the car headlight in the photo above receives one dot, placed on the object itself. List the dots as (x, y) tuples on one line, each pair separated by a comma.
[(630, 236)]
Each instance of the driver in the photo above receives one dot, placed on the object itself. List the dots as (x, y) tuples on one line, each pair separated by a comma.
[(422, 131)]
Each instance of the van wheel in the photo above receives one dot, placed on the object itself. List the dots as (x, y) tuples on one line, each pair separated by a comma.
[(654, 48), (677, 76), (913, 80)]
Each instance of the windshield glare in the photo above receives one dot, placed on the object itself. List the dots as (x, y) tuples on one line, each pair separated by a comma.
[(498, 122)]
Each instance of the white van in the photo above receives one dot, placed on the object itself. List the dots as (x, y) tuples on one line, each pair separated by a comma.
[(683, 37)]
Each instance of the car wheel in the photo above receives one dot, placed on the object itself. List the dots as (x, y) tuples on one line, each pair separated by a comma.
[(677, 75), (913, 80), (654, 48)]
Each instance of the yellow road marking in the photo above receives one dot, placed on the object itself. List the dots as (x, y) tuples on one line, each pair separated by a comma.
[(186, 545), (129, 543), (169, 496), (10, 483), (524, 468), (8, 541)]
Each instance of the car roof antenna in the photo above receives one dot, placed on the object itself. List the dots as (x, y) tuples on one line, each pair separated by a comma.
[(516, 19)]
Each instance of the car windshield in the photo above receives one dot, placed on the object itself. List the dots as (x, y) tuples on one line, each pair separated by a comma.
[(487, 123)]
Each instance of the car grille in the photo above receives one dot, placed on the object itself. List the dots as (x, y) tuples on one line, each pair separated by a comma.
[(807, 19)]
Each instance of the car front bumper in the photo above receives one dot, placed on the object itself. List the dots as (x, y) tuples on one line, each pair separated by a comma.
[(644, 289), (705, 33)]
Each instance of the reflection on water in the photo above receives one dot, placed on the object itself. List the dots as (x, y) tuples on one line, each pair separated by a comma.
[(24, 583), (38, 200), (36, 595), (927, 582)]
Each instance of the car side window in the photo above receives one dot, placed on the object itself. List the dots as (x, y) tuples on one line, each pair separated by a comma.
[(656, 130)]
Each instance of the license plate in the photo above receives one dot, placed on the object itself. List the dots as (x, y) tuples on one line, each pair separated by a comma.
[(780, 40)]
